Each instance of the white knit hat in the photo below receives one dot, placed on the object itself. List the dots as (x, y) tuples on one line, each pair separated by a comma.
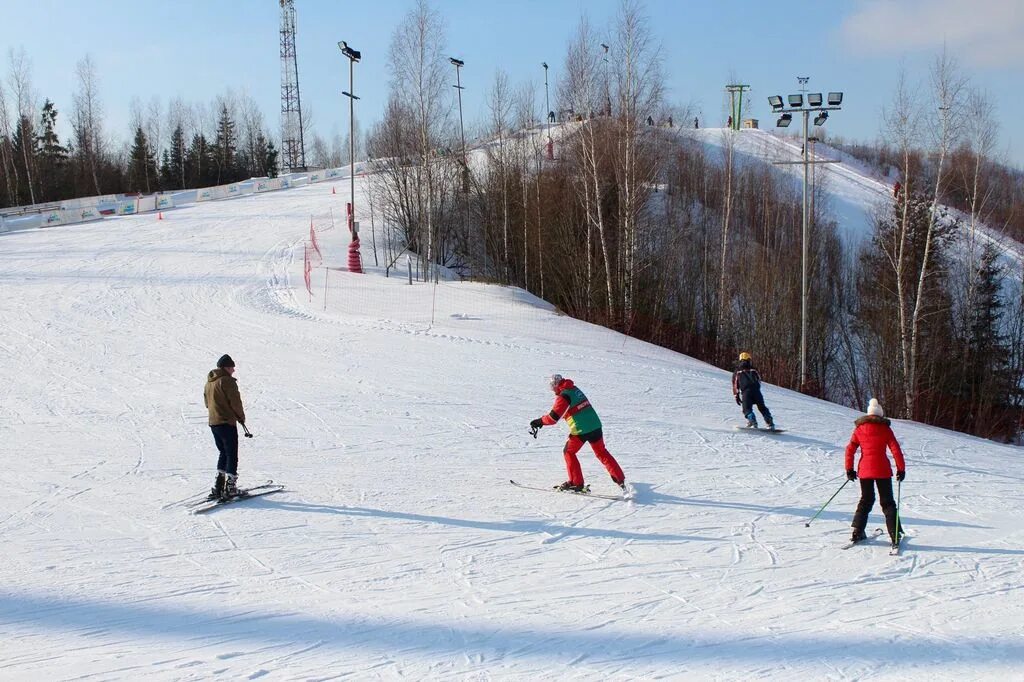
[(875, 409)]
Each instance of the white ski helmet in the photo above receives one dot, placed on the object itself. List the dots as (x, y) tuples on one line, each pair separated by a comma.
[(554, 380)]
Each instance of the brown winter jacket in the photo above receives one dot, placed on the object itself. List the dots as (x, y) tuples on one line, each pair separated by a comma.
[(222, 398)]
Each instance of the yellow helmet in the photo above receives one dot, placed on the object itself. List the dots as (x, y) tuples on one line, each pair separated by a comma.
[(744, 355)]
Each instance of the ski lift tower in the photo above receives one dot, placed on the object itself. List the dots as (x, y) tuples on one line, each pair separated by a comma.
[(736, 108), (291, 106)]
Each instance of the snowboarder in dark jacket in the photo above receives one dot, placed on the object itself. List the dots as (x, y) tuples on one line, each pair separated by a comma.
[(746, 388), (584, 427)]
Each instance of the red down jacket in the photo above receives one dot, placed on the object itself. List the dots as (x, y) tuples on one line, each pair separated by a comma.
[(873, 435)]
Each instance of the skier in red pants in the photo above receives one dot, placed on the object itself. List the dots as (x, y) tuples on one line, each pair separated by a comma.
[(584, 427)]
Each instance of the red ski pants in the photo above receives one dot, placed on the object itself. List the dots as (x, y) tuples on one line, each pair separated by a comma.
[(596, 440)]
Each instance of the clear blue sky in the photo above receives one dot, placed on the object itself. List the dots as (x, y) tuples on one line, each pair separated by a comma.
[(196, 49)]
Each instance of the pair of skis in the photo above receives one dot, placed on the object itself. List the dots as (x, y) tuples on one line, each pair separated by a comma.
[(583, 493), (893, 550), (205, 505)]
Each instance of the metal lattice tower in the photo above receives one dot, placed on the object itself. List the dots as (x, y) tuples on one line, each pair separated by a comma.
[(291, 106)]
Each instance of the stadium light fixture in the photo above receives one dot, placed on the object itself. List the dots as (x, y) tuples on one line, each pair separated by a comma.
[(784, 121), (354, 55), (835, 99), (821, 118), (814, 99), (775, 102), (796, 100)]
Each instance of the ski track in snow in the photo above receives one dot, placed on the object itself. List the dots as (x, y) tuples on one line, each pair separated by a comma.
[(395, 417)]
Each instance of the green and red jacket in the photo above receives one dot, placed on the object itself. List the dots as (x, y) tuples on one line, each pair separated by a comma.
[(572, 405)]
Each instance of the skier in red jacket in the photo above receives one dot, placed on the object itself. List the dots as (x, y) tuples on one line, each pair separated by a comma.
[(584, 427), (873, 435)]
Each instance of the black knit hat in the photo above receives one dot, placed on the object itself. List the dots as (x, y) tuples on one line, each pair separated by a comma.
[(225, 361)]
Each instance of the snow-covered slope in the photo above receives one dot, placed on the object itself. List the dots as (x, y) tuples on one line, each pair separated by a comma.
[(396, 415), (853, 192)]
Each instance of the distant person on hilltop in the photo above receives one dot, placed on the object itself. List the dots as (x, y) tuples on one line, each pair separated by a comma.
[(873, 434), (746, 389), (224, 404), (584, 427)]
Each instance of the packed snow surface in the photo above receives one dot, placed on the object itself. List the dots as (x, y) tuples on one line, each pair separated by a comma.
[(396, 414)]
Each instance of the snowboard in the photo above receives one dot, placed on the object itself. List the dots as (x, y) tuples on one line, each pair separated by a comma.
[(759, 429)]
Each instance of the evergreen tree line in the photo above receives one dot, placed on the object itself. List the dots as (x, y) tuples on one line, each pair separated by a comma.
[(180, 148), (665, 237)]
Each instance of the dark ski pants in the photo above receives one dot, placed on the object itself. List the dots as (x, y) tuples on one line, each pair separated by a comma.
[(596, 440), (753, 397), (226, 438), (867, 501)]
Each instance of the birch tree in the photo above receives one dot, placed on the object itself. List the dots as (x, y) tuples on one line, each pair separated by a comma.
[(87, 121), (948, 86), (417, 63), (639, 89), (20, 81)]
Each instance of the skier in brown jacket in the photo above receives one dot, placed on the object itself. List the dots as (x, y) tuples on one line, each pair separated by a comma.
[(225, 407)]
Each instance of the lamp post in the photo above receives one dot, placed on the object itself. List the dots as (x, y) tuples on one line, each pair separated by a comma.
[(353, 57), (547, 102), (458, 64), (816, 103), (607, 79)]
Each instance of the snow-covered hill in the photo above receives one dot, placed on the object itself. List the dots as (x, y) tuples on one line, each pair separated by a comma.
[(396, 415), (854, 193)]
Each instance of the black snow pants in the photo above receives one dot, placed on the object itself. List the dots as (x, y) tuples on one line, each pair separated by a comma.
[(751, 397), (867, 501), (226, 438)]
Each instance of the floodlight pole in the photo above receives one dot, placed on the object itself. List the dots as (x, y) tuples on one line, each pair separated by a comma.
[(458, 64), (353, 57), (607, 79), (804, 249), (547, 102), (806, 162), (352, 140)]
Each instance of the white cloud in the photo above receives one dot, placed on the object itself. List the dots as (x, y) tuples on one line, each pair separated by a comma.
[(987, 33)]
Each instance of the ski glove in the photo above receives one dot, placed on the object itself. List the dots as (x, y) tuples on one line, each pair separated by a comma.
[(900, 475), (536, 423), (738, 401), (851, 475)]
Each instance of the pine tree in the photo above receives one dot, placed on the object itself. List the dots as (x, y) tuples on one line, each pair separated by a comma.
[(52, 158), (266, 157), (199, 163), (141, 165), (982, 385), (173, 168), (225, 148), (24, 147)]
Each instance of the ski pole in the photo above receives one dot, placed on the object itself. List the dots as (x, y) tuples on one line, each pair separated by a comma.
[(247, 434), (808, 524), (899, 492)]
